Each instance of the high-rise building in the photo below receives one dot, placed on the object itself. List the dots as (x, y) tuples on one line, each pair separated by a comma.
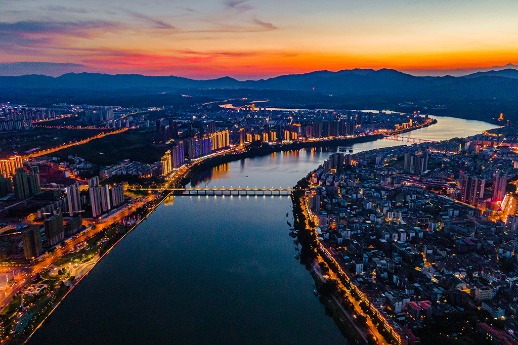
[(242, 136), (8, 166), (317, 129), (416, 164), (73, 225), (472, 189), (117, 195), (206, 146), (408, 165), (94, 192), (220, 139), (178, 155), (31, 238), (34, 180), (105, 198), (73, 201), (499, 186), (54, 229), (167, 165), (21, 184)]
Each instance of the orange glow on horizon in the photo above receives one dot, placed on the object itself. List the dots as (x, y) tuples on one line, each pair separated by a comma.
[(246, 39), (268, 64)]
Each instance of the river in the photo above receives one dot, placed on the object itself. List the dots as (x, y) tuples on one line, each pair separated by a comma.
[(213, 270)]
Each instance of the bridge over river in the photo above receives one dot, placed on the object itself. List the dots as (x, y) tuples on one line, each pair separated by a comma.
[(408, 139), (273, 191)]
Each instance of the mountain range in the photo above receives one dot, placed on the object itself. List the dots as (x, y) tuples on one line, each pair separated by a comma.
[(491, 91), (347, 82)]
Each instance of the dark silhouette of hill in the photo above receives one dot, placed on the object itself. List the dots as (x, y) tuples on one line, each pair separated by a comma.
[(504, 73), (480, 95)]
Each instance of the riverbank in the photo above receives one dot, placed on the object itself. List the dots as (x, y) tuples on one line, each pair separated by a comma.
[(95, 260), (265, 149), (260, 149), (314, 263), (249, 152)]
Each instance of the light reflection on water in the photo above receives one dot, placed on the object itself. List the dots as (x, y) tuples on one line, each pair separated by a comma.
[(213, 270), (284, 169)]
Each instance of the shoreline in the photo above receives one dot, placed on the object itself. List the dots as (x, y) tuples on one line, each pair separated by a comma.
[(311, 257), (94, 265), (263, 149)]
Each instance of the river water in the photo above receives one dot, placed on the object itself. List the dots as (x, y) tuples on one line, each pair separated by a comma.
[(213, 270)]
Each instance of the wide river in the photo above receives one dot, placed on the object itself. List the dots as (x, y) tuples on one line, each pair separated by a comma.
[(213, 270)]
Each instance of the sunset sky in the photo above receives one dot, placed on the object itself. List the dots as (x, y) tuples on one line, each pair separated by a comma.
[(255, 39)]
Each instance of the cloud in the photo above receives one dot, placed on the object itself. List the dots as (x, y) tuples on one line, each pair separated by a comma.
[(157, 23), (40, 33), (46, 68), (238, 5), (65, 9), (266, 25)]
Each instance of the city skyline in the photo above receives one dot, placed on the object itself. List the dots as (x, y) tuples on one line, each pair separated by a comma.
[(251, 39)]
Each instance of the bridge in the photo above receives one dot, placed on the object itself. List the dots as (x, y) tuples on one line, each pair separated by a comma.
[(407, 139), (229, 191)]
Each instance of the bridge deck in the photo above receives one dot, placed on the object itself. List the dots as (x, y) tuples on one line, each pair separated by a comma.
[(225, 191)]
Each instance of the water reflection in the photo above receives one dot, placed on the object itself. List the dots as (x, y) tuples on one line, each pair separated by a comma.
[(283, 168), (218, 172), (169, 200)]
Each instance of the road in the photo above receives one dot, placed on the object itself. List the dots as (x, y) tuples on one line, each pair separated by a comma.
[(28, 272), (75, 143)]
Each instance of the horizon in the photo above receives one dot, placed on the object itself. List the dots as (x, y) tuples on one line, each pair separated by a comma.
[(454, 73), (249, 39)]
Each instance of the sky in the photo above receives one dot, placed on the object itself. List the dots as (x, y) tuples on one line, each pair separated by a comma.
[(252, 39)]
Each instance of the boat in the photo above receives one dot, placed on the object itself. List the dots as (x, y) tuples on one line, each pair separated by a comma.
[(315, 292)]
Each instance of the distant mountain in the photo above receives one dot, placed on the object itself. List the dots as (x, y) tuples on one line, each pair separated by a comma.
[(504, 73), (483, 93), (107, 81), (383, 82)]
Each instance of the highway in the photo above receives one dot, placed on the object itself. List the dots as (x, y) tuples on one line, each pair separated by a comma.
[(75, 143), (28, 272)]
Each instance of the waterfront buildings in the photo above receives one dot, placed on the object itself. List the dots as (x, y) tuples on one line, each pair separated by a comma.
[(167, 164), (104, 198), (414, 252), (117, 195)]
